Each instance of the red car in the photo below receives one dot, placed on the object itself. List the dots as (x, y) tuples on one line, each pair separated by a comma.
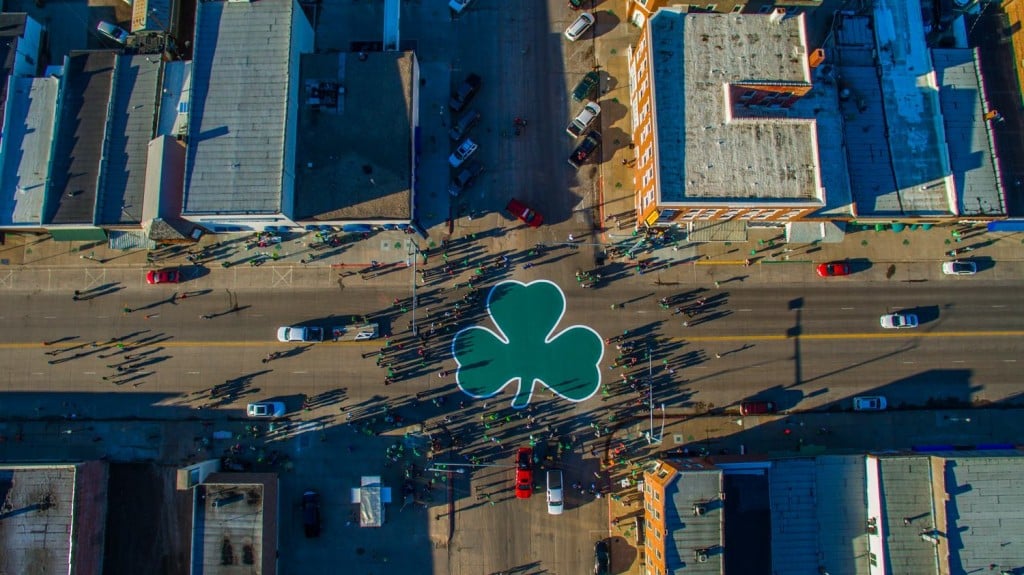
[(168, 276), (833, 269), (524, 473), (528, 216), (756, 407)]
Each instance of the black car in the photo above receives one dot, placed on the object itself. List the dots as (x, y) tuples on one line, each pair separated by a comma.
[(464, 177), (601, 560), (587, 86), (464, 125), (465, 93), (311, 513), (585, 149)]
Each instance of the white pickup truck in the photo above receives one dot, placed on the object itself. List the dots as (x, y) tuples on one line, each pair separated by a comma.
[(300, 334)]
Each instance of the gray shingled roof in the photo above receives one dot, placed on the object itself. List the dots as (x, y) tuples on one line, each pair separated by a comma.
[(79, 146), (131, 128), (236, 148), (906, 486), (684, 533)]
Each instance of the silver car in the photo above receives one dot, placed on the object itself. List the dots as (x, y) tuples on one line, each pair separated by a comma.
[(959, 268), (265, 409), (898, 320)]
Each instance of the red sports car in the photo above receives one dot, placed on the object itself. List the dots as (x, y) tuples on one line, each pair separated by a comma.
[(168, 276), (528, 216), (524, 473), (833, 269)]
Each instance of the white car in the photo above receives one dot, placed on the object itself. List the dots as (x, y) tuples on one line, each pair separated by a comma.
[(301, 334), (583, 120), (555, 497), (581, 25), (265, 409), (959, 268), (458, 6), (898, 320), (115, 33), (462, 153), (869, 403)]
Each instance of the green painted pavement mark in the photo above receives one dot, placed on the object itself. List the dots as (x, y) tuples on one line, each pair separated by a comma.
[(525, 349)]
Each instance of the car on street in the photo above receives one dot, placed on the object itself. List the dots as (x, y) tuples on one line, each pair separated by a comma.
[(555, 495), (831, 269), (528, 216), (265, 409), (311, 513), (464, 177), (583, 120), (587, 86), (464, 125), (756, 407), (899, 320), (524, 473), (462, 153), (602, 561), (579, 26), (458, 6), (869, 403), (586, 148), (465, 92), (165, 276), (960, 268), (112, 31), (289, 334)]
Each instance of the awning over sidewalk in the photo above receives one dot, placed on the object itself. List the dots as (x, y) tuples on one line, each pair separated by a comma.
[(77, 234)]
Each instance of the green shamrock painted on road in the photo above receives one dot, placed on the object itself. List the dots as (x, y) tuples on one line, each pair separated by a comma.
[(525, 348)]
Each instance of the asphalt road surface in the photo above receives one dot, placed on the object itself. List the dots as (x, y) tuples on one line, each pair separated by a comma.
[(802, 347)]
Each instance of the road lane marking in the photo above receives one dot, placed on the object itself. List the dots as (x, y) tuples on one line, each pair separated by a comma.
[(842, 336), (745, 309)]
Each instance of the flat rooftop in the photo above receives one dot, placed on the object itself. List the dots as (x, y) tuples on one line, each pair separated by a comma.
[(702, 156), (28, 138), (683, 531), (969, 136), (235, 524), (38, 511), (235, 161), (79, 148), (133, 113), (913, 120), (354, 161)]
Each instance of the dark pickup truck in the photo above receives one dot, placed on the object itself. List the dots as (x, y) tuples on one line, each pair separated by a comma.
[(586, 148)]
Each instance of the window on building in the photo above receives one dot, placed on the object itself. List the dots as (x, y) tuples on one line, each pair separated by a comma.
[(667, 215), (737, 8), (765, 214), (657, 515), (657, 534), (657, 496), (729, 214), (649, 198), (657, 552), (711, 7), (707, 214)]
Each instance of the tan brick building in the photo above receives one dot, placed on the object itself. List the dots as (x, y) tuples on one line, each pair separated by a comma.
[(683, 517), (721, 127), (640, 11)]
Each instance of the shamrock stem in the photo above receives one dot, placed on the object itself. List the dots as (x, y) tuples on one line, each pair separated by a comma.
[(522, 397)]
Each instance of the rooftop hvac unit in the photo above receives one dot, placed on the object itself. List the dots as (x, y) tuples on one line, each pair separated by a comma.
[(699, 509), (701, 555)]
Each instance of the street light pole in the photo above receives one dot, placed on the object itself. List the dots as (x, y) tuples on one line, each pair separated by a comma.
[(650, 395)]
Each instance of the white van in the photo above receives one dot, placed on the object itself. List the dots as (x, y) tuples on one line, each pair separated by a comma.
[(555, 492)]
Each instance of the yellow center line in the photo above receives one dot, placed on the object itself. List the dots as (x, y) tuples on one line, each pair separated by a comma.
[(902, 334)]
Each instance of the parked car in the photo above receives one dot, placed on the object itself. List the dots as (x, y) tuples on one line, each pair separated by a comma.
[(579, 26), (265, 409), (898, 320), (524, 473), (167, 276), (583, 120), (115, 33), (756, 407), (869, 403), (959, 268), (299, 333), (311, 513), (458, 6), (833, 269), (585, 149), (464, 125), (587, 86), (555, 497), (462, 153), (602, 561), (464, 177), (465, 93), (528, 216)]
